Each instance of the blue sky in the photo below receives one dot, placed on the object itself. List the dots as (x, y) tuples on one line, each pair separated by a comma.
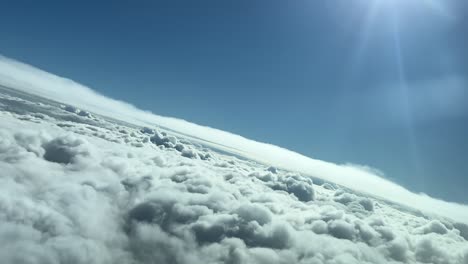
[(377, 82)]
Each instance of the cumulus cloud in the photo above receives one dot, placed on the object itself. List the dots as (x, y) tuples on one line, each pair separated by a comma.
[(81, 194), (32, 80)]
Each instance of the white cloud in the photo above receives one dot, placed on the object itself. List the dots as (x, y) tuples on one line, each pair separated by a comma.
[(108, 201), (32, 80)]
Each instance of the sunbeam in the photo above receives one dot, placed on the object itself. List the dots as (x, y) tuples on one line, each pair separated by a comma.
[(404, 96), (391, 18), (364, 35)]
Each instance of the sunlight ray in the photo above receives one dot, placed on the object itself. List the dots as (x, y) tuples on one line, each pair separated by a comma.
[(404, 96)]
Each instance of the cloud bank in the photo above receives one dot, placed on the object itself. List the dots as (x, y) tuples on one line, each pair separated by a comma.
[(75, 193), (32, 80)]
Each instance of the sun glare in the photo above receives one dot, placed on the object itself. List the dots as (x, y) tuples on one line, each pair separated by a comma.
[(414, 7)]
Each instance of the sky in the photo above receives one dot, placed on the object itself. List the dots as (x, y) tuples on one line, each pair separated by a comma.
[(380, 83)]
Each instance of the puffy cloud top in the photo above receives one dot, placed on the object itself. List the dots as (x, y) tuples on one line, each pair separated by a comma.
[(73, 192)]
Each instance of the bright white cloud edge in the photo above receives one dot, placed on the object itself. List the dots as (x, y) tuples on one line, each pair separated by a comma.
[(29, 79)]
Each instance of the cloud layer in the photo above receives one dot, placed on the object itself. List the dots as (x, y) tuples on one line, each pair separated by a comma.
[(31, 80), (76, 193)]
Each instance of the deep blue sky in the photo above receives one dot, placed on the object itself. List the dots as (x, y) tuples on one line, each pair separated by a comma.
[(336, 80)]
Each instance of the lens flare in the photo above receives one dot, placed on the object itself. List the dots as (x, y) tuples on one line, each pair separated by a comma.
[(390, 17), (406, 104)]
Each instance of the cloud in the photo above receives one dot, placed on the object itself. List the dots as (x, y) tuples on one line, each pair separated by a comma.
[(32, 80), (112, 202)]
